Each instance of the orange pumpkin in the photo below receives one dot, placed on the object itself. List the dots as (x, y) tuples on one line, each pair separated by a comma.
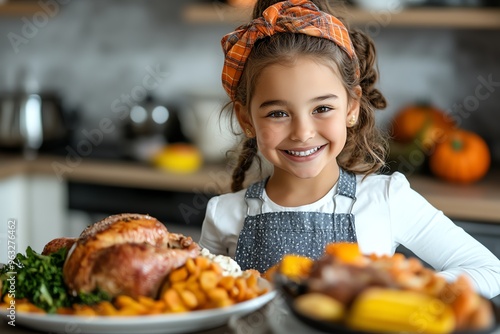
[(463, 157), (422, 122)]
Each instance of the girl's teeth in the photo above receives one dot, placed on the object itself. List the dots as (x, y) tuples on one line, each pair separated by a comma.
[(303, 153)]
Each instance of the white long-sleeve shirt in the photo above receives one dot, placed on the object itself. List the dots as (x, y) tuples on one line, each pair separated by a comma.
[(387, 213)]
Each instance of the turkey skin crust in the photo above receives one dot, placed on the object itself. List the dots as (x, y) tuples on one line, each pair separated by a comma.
[(127, 254)]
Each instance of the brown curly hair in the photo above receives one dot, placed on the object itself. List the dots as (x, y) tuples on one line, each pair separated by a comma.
[(366, 146)]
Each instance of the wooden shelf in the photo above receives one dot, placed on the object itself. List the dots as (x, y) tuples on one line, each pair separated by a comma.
[(19, 8), (432, 18), (428, 17)]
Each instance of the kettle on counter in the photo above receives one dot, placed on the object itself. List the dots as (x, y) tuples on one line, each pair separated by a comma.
[(209, 129), (29, 120)]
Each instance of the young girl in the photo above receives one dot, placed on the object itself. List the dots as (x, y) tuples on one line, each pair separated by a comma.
[(302, 89)]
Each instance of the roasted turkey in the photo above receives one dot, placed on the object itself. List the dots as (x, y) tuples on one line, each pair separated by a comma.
[(125, 254), (56, 244)]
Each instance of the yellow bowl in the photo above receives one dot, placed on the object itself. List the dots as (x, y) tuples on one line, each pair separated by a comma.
[(179, 158)]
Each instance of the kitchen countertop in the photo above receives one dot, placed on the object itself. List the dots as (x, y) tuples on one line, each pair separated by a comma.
[(117, 173), (475, 202), (479, 202)]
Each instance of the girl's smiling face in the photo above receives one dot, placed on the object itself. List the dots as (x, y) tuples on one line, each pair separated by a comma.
[(299, 115)]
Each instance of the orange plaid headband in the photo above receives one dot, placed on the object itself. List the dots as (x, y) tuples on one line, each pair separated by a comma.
[(295, 16)]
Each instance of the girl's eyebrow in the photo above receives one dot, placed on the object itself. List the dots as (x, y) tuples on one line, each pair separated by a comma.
[(279, 103), (324, 97), (282, 103)]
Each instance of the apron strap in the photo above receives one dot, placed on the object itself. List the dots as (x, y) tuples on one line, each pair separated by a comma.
[(255, 191), (346, 188), (347, 184)]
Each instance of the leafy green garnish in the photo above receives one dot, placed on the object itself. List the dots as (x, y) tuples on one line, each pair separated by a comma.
[(92, 298), (39, 278)]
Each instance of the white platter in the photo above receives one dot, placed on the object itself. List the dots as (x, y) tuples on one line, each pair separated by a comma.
[(153, 324)]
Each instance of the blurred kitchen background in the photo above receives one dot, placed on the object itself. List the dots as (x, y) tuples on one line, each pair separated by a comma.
[(120, 79)]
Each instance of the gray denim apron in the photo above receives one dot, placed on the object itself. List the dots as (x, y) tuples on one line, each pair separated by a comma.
[(266, 237)]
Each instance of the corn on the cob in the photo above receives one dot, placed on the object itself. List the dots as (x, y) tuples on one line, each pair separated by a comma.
[(379, 310)]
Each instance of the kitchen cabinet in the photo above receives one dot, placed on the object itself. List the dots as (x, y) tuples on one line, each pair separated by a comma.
[(445, 17), (32, 211), (13, 192)]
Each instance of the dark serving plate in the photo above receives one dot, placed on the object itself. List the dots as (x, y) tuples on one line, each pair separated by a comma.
[(290, 290)]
